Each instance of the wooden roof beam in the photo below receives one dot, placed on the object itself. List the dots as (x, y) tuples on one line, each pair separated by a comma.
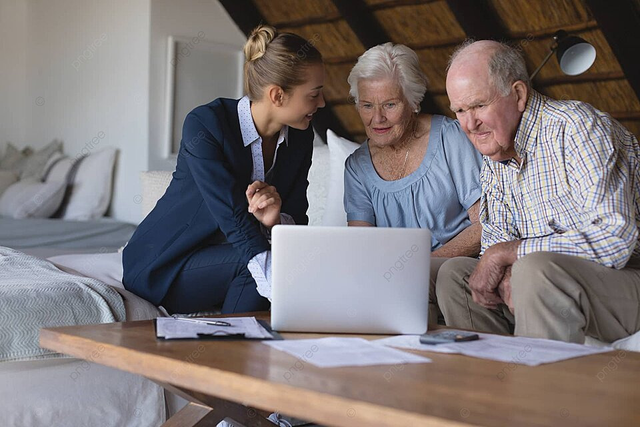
[(549, 32), (247, 16), (399, 3), (365, 26), (620, 23), (370, 33), (582, 78), (244, 13), (478, 19), (327, 19)]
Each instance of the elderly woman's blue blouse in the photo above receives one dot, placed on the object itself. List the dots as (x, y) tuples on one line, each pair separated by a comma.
[(436, 196)]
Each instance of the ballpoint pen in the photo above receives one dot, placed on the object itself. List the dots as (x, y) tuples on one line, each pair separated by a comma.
[(204, 322)]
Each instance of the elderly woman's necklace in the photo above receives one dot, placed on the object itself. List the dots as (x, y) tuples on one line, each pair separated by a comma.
[(406, 155), (404, 164), (396, 171)]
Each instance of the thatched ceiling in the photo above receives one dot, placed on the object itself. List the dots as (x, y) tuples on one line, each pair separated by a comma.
[(343, 29)]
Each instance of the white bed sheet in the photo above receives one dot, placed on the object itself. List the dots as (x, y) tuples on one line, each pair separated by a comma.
[(75, 393), (107, 267)]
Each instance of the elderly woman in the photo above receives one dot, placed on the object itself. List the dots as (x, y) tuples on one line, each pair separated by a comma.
[(415, 170)]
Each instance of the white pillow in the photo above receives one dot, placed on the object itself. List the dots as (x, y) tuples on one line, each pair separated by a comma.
[(154, 185), (90, 189), (318, 181), (30, 198), (339, 149), (6, 179), (53, 159), (107, 268), (58, 168)]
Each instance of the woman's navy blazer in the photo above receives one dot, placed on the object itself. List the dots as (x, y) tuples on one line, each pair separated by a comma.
[(205, 202)]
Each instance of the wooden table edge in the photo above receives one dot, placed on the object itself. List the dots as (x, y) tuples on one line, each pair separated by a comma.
[(231, 386)]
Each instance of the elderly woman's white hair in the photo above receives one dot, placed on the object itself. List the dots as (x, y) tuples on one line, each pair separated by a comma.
[(391, 61)]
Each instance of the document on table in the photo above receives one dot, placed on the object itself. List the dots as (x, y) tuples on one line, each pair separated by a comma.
[(336, 352), (519, 350), (179, 328)]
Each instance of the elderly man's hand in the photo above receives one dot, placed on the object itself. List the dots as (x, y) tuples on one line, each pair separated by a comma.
[(490, 272), (504, 289), (484, 281)]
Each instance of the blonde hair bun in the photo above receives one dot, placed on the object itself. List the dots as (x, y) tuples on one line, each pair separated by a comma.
[(258, 41), (276, 58)]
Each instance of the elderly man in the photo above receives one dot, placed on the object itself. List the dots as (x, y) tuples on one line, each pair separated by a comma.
[(560, 209)]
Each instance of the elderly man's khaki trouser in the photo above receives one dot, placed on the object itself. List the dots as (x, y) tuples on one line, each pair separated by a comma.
[(554, 296)]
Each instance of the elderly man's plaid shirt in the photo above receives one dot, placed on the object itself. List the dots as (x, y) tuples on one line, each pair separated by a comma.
[(577, 190)]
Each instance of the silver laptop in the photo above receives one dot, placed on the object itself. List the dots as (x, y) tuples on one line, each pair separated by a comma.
[(350, 279)]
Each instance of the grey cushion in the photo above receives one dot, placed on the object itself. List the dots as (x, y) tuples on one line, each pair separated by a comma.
[(12, 158), (34, 165)]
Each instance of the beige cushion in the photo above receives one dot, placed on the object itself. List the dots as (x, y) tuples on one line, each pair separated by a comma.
[(31, 198), (7, 178), (154, 185)]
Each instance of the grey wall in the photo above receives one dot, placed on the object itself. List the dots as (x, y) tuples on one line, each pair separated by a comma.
[(13, 67), (87, 83), (204, 19)]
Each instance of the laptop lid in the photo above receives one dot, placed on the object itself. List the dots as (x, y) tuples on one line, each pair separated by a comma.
[(350, 279)]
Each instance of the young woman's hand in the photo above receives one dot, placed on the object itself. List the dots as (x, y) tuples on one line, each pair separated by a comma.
[(264, 203)]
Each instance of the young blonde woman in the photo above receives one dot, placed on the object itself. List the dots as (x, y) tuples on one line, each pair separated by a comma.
[(242, 168)]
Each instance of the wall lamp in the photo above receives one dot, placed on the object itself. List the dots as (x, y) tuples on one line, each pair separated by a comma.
[(574, 54)]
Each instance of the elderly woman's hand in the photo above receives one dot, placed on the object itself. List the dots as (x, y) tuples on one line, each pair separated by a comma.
[(264, 203)]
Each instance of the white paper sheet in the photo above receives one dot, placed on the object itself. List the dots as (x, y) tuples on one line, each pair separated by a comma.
[(174, 328), (519, 350), (336, 352)]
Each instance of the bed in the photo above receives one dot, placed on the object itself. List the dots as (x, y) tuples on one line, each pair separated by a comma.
[(53, 206), (47, 391)]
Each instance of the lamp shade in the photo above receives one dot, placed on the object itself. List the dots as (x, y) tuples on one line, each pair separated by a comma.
[(575, 55)]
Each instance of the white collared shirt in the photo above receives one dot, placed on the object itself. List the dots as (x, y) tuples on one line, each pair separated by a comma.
[(260, 265)]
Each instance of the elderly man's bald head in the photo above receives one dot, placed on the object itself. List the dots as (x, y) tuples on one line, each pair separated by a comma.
[(504, 64), (471, 52), (488, 87)]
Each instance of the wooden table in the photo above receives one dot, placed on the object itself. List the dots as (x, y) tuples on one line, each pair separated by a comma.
[(454, 390)]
